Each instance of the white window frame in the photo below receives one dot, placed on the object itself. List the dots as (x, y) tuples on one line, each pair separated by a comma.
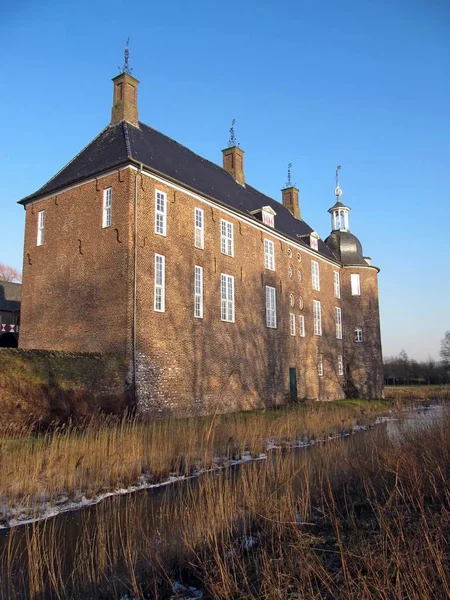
[(317, 312), (40, 228), (338, 321), (199, 228), (159, 303), (301, 325), (269, 255), (292, 323), (359, 335), (355, 284), (337, 284), (271, 307), (320, 365), (226, 237), (340, 364), (198, 292), (315, 275), (227, 298), (160, 213), (107, 207)]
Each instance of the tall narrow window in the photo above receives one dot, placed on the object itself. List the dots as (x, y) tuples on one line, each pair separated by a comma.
[(338, 319), (41, 226), (107, 207), (301, 325), (292, 321), (356, 285), (271, 307), (317, 313), (160, 277), (340, 365), (315, 275), (320, 365), (199, 237), (160, 213), (227, 297), (226, 237), (358, 334), (269, 255), (198, 292), (337, 284)]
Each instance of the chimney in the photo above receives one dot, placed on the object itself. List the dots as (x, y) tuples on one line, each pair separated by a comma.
[(233, 162), (290, 200), (125, 100)]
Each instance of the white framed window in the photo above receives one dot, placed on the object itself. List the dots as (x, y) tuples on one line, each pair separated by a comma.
[(269, 255), (198, 292), (41, 227), (320, 365), (315, 275), (292, 322), (227, 297), (199, 227), (301, 325), (340, 365), (356, 284), (160, 213), (226, 237), (160, 283), (317, 313), (338, 320), (337, 284), (358, 334), (271, 307), (107, 207)]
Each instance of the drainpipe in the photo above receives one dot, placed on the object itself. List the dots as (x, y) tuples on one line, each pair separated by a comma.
[(138, 174)]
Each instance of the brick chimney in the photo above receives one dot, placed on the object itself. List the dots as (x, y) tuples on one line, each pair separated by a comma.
[(233, 162), (125, 100), (290, 200)]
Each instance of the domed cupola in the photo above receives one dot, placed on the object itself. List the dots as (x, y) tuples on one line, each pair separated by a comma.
[(344, 244)]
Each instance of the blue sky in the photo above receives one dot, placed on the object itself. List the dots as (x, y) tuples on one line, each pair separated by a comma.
[(364, 84)]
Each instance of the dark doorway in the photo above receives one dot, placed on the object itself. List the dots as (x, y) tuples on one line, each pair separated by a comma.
[(293, 382), (8, 340)]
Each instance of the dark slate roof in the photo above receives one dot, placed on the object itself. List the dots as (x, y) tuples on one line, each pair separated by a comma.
[(10, 294), (346, 247), (123, 143)]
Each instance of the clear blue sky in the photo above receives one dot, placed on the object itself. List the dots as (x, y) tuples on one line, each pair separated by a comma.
[(364, 84)]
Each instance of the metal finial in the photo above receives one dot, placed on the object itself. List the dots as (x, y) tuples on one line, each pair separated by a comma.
[(232, 140), (289, 182), (337, 189), (126, 57)]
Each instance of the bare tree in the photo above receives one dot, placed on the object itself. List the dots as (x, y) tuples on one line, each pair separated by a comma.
[(8, 273), (445, 349)]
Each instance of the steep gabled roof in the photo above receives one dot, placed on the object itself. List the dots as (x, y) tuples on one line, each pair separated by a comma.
[(122, 143)]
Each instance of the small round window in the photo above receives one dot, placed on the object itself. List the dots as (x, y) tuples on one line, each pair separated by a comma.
[(289, 252), (299, 257), (291, 271), (299, 275), (300, 303), (291, 299)]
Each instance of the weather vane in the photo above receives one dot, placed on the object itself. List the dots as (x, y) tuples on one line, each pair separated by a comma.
[(126, 57), (232, 141), (289, 182), (337, 190)]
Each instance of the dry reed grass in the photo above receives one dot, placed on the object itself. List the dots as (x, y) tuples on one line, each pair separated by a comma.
[(429, 393)]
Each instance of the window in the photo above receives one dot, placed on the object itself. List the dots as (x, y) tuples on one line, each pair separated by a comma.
[(227, 297), (107, 207), (299, 257), (198, 292), (289, 253), (160, 300), (300, 303), (160, 213), (338, 319), (199, 235), (315, 275), (317, 313), (269, 255), (358, 334), (313, 242), (320, 365), (337, 284), (291, 300), (226, 237), (356, 286), (292, 320), (41, 225), (340, 365), (271, 307), (301, 326), (299, 275)]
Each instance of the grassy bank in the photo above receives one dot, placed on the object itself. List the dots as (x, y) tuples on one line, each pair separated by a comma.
[(429, 393), (366, 518)]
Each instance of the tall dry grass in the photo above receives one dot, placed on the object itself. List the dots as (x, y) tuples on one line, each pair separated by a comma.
[(428, 393), (363, 518)]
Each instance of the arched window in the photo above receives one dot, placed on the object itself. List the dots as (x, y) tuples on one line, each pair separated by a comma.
[(358, 334)]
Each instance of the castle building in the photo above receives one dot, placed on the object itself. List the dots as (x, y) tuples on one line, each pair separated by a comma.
[(217, 296)]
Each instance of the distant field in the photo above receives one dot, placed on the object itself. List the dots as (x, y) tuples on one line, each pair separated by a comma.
[(417, 392)]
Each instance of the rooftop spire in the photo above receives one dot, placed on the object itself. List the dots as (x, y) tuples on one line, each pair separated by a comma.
[(126, 57), (337, 189)]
